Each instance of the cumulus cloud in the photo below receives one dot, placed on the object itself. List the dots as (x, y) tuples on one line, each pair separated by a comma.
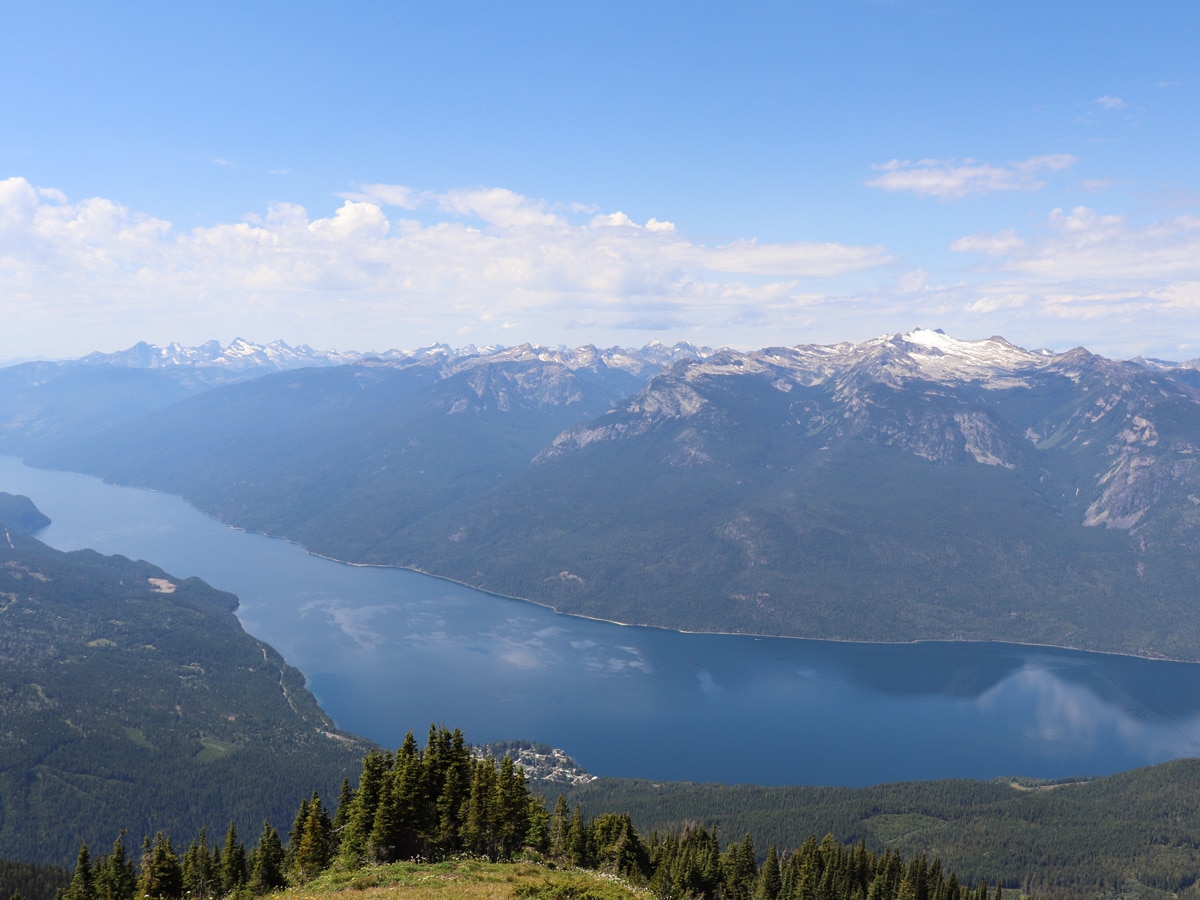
[(1083, 245), (471, 256), (1109, 102), (1119, 287), (948, 179)]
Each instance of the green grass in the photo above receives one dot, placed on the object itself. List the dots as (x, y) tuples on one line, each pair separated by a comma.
[(468, 879)]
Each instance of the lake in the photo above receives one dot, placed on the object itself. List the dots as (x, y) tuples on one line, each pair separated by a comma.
[(388, 650)]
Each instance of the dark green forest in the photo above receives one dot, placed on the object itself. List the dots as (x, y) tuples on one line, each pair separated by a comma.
[(31, 881), (1136, 834), (440, 801), (1137, 831), (131, 696), (18, 513)]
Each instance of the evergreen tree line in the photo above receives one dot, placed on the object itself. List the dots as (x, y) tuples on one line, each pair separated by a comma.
[(442, 801), (26, 880)]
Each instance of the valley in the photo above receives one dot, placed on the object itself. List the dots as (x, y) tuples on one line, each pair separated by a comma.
[(914, 488)]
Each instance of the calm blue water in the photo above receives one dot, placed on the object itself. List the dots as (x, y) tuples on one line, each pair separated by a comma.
[(386, 650)]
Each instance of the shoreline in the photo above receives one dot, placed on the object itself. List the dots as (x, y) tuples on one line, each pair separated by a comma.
[(592, 618), (667, 628)]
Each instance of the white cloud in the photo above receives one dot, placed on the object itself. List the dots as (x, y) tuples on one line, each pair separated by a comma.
[(613, 220), (913, 282), (1109, 102), (813, 260), (1002, 243), (498, 206), (1124, 288), (948, 179), (1084, 246), (398, 195), (476, 257)]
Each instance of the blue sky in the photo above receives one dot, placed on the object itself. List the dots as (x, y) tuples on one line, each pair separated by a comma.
[(378, 175)]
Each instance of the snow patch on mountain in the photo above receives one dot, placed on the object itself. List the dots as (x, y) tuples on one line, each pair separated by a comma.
[(239, 356)]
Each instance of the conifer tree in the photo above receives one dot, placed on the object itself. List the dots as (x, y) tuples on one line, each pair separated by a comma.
[(341, 816), (577, 840), (739, 869), (616, 847), (83, 885), (116, 878), (312, 855), (161, 876), (560, 824), (453, 794), (511, 808), (538, 836), (295, 836), (384, 836), (770, 881), (267, 863), (199, 868), (479, 833), (356, 833), (414, 822), (234, 870)]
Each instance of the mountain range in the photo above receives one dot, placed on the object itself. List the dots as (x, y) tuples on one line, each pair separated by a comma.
[(913, 486)]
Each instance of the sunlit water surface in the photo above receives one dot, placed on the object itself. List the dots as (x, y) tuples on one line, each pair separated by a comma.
[(387, 650)]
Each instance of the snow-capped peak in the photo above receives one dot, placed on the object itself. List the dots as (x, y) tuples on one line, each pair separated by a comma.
[(936, 356)]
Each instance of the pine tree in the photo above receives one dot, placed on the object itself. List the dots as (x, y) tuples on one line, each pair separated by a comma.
[(267, 864), (312, 855), (538, 836), (739, 869), (479, 833), (199, 868), (453, 793), (511, 808), (234, 870), (295, 836), (577, 840), (560, 824), (769, 880), (384, 838), (616, 847), (161, 877), (356, 833), (341, 818), (115, 876), (83, 885)]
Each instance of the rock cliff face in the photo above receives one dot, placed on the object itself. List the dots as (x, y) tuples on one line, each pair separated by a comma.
[(911, 486), (1080, 423)]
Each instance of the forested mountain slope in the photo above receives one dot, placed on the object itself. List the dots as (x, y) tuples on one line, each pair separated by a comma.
[(127, 695), (1133, 834), (913, 486), (343, 459)]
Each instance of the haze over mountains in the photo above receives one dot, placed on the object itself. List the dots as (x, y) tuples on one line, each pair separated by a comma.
[(911, 486)]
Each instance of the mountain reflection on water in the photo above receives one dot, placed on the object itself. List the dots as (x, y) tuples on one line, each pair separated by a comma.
[(387, 650)]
